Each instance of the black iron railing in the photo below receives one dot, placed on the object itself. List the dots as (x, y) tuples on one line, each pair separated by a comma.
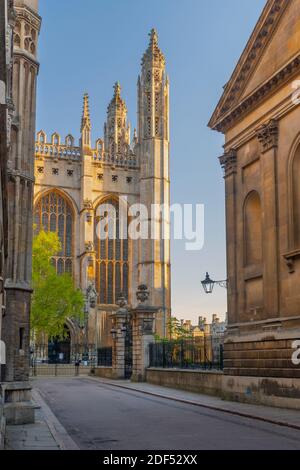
[(199, 353), (63, 353), (105, 357)]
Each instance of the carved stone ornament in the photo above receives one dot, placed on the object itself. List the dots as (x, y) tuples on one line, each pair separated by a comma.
[(229, 162), (91, 295), (88, 204), (148, 326), (142, 294), (89, 246), (290, 259), (268, 135), (121, 302)]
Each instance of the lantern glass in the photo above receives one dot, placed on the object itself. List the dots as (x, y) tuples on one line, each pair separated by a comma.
[(208, 284)]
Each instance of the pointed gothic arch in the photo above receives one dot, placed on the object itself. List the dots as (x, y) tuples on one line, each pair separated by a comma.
[(53, 212), (112, 258)]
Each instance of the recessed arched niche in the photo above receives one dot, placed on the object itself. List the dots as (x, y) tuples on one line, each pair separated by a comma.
[(253, 229)]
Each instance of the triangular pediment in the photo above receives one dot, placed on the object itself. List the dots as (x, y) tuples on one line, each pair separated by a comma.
[(282, 47), (273, 43)]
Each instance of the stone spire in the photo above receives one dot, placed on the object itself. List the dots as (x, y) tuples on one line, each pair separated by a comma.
[(117, 104), (116, 129), (153, 54), (86, 122), (153, 90)]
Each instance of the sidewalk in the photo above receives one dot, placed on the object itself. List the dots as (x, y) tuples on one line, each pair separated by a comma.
[(278, 416), (45, 434)]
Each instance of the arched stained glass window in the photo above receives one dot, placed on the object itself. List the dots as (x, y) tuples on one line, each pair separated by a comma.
[(53, 213), (112, 267)]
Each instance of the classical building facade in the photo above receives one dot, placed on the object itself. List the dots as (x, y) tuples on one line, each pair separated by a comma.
[(259, 115), (75, 183)]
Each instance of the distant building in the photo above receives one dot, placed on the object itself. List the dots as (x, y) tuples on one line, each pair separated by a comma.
[(212, 334), (215, 328)]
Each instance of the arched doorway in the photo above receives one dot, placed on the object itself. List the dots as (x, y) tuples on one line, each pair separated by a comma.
[(59, 350)]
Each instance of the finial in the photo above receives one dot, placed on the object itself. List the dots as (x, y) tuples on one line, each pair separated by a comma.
[(153, 53), (86, 121), (153, 37), (117, 88)]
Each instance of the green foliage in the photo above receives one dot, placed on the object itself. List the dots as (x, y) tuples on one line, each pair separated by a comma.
[(55, 298), (176, 331)]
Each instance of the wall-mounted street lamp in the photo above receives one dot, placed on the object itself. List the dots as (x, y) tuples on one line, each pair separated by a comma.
[(208, 284)]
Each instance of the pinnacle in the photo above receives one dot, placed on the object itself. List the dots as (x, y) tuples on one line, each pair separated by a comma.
[(153, 53), (86, 112), (153, 37), (117, 89)]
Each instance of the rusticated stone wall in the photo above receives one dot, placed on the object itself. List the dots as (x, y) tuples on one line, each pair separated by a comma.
[(269, 358)]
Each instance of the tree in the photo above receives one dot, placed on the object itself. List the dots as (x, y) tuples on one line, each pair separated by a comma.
[(55, 299), (176, 331)]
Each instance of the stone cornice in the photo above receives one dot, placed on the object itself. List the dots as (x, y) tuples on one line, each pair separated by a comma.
[(258, 95), (267, 135), (13, 175), (21, 53), (229, 107), (25, 12)]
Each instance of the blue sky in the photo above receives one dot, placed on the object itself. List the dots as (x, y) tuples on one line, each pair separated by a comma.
[(87, 45)]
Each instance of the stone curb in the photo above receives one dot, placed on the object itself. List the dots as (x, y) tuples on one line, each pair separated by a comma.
[(202, 405), (60, 435)]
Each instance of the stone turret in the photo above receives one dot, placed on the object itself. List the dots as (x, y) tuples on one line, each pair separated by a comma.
[(116, 129), (153, 145)]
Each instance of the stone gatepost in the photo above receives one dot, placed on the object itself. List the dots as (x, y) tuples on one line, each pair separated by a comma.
[(143, 334), (120, 320)]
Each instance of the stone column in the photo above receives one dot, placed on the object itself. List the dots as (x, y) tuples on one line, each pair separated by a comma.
[(120, 320), (268, 138), (143, 334), (229, 164)]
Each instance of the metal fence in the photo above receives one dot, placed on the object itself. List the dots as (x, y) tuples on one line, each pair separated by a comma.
[(59, 370), (105, 357), (198, 353), (51, 354)]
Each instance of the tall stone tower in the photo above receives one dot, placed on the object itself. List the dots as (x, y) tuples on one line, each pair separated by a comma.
[(16, 329), (153, 148)]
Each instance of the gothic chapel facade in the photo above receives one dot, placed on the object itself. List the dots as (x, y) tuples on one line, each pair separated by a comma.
[(73, 181)]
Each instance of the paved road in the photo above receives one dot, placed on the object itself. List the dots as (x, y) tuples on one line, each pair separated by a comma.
[(102, 417)]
